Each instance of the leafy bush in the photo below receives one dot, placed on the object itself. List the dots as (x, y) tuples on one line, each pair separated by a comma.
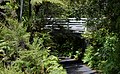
[(18, 56), (37, 60), (10, 71), (103, 51), (12, 39)]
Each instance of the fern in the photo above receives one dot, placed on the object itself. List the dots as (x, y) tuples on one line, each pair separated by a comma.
[(18, 56), (38, 60), (52, 1), (34, 60)]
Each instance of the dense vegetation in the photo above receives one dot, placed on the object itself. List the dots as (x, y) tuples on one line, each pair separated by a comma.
[(21, 52), (26, 48), (103, 50)]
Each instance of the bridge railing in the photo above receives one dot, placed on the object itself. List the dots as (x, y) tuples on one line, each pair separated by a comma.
[(70, 24)]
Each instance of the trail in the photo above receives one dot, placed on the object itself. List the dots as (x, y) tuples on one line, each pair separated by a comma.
[(74, 67)]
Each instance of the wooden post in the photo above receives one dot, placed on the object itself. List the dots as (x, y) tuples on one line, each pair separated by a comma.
[(68, 24)]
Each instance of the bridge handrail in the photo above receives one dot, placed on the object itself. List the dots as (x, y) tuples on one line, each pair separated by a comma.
[(68, 23)]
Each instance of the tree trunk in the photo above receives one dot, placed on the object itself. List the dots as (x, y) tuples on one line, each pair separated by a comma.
[(21, 10), (30, 9)]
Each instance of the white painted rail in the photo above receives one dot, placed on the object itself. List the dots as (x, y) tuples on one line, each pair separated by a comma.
[(71, 24)]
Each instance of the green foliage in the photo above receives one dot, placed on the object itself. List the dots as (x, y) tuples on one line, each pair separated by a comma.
[(52, 1), (11, 38), (38, 60), (103, 51), (67, 45), (18, 55), (10, 9), (10, 71), (34, 59), (106, 13), (48, 10)]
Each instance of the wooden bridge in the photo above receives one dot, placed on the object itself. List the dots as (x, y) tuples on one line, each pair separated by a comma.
[(72, 25)]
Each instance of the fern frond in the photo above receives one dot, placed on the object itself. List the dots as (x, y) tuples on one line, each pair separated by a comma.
[(34, 2)]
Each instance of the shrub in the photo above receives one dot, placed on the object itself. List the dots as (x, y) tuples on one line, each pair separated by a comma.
[(18, 56), (103, 52)]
